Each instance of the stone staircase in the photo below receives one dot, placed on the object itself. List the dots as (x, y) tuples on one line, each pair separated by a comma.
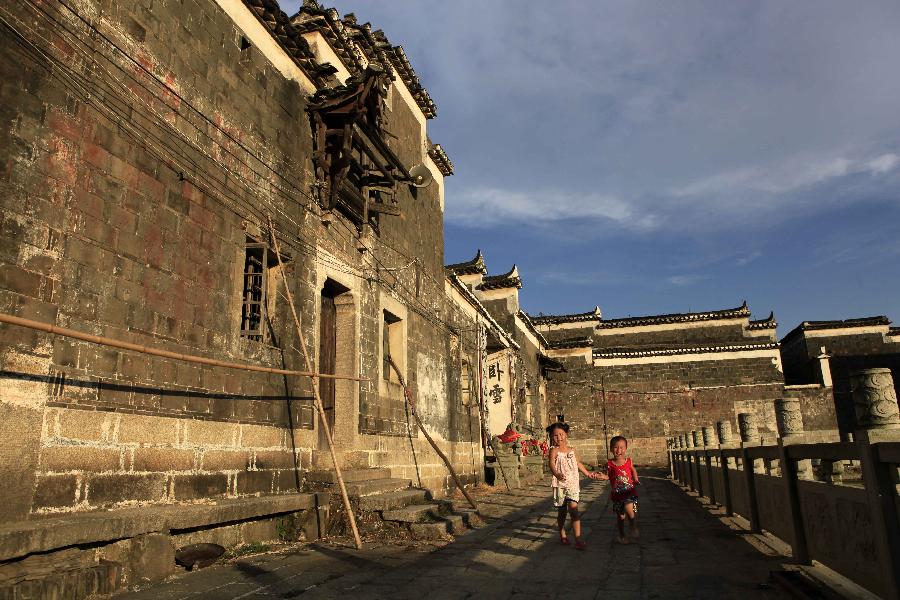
[(387, 505)]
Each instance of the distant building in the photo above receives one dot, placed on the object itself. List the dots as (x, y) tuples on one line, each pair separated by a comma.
[(826, 352), (654, 376)]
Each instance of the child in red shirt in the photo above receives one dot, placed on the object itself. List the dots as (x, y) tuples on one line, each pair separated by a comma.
[(623, 480)]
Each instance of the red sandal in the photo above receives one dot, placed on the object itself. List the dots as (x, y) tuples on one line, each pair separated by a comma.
[(564, 541), (580, 545)]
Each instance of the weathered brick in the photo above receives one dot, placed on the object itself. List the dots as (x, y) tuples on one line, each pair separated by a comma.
[(143, 429), (190, 487), (210, 433), (254, 482), (79, 458), (260, 436), (86, 425), (111, 489), (276, 460), (163, 459), (222, 460), (55, 491)]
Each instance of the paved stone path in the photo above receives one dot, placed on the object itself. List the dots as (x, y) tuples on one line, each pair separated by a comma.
[(684, 552)]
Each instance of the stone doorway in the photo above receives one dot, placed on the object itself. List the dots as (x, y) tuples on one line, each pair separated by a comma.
[(336, 341)]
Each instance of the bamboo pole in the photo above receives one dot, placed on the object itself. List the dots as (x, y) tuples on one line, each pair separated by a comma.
[(412, 407), (105, 341), (315, 386)]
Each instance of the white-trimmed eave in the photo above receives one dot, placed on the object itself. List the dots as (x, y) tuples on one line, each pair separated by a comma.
[(324, 53), (843, 331), (471, 306), (771, 353), (584, 353), (547, 327), (529, 335), (669, 326), (263, 41)]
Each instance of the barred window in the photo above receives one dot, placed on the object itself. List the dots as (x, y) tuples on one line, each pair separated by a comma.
[(259, 265)]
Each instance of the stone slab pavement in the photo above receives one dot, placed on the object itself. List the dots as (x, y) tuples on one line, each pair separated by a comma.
[(684, 552)]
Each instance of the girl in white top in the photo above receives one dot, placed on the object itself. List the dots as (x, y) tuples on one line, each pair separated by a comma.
[(564, 465)]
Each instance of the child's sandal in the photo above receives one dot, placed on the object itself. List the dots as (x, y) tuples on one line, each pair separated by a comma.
[(580, 545), (564, 541)]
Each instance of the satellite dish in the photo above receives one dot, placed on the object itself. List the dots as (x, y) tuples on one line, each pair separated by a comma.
[(420, 176)]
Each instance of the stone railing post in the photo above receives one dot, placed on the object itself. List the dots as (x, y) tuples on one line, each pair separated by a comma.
[(878, 420), (691, 446), (708, 441), (750, 435), (790, 430), (749, 432), (723, 433)]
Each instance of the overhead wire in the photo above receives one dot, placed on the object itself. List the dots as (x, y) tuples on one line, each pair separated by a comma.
[(143, 134)]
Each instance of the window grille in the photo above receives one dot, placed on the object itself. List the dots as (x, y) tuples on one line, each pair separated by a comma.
[(253, 312)]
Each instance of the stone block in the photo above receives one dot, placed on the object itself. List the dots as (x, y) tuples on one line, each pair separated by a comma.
[(288, 480), (191, 487), (142, 429), (163, 459), (276, 459), (210, 433), (254, 482), (55, 491), (152, 558), (224, 460), (80, 458), (261, 436), (260, 531), (104, 490), (20, 435)]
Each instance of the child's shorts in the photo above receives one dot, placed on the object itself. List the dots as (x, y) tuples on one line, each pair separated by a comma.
[(619, 505), (561, 496)]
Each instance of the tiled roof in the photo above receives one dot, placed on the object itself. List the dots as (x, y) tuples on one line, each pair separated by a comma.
[(288, 36), (472, 267), (542, 319), (893, 331), (837, 324), (437, 154), (767, 323), (527, 320), (605, 353), (473, 300), (730, 313), (579, 342), (510, 279), (358, 45)]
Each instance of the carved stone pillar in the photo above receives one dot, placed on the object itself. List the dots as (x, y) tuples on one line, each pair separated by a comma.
[(874, 399), (788, 416), (708, 438), (748, 427), (696, 439), (723, 431), (790, 423), (750, 434), (689, 440)]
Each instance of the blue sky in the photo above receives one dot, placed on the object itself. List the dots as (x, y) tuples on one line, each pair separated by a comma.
[(657, 157)]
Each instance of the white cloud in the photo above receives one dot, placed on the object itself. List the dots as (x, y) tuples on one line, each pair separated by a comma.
[(486, 207), (684, 280), (746, 260)]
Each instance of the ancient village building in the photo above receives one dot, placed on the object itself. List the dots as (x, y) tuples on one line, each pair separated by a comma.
[(145, 151), (648, 377), (515, 374), (824, 353)]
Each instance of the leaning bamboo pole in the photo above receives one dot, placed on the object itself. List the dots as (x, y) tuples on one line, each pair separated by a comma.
[(105, 341), (412, 407), (315, 386)]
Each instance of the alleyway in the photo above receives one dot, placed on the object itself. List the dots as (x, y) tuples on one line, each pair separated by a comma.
[(684, 552)]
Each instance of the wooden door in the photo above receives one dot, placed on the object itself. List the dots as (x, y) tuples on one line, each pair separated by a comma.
[(327, 360)]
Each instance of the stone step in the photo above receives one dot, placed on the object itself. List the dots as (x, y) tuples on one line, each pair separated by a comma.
[(414, 513), (428, 531), (376, 486), (349, 475), (455, 523), (393, 500)]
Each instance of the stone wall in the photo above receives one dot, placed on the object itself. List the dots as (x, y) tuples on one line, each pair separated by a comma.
[(125, 213), (649, 402)]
